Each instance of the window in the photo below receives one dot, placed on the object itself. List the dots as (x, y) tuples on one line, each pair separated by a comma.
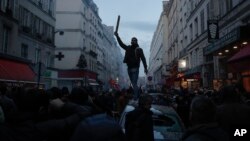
[(197, 59), (24, 17), (3, 4), (235, 3), (5, 39), (48, 59), (24, 51), (196, 27), (202, 21), (208, 14), (37, 55), (191, 32), (191, 59), (51, 5)]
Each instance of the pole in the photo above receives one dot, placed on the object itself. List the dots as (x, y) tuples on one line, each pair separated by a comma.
[(39, 74), (117, 24)]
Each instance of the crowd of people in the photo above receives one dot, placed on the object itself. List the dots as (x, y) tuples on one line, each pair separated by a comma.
[(31, 114), (213, 114)]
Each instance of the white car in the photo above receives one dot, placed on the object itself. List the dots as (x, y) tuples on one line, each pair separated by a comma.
[(167, 123)]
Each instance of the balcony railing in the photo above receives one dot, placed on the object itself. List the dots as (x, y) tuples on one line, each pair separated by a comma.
[(26, 29), (93, 54)]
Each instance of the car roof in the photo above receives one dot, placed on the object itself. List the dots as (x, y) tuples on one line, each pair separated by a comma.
[(155, 94), (156, 109)]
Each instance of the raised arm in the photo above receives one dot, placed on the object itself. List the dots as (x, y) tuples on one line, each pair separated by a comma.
[(120, 41)]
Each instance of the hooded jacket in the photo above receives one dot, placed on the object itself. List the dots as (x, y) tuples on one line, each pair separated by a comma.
[(133, 55)]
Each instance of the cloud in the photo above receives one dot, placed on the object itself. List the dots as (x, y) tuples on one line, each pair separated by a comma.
[(140, 25)]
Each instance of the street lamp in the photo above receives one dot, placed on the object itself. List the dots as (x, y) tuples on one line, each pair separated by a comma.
[(182, 64)]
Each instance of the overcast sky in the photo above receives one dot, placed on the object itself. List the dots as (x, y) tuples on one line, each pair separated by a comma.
[(139, 19)]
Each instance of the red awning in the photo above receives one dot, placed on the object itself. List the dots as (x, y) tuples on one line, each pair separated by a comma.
[(239, 66), (240, 61), (242, 54), (12, 70)]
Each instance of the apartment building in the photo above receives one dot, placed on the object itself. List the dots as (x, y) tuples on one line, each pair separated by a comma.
[(27, 33), (195, 58), (158, 58), (90, 54)]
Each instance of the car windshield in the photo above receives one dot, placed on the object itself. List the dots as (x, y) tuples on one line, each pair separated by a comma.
[(166, 123)]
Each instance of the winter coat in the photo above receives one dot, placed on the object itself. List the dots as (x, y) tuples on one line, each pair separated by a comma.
[(133, 55), (205, 132), (1, 115), (233, 115), (98, 127), (26, 129), (139, 125)]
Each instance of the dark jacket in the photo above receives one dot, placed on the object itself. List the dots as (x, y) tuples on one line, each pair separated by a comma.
[(133, 55), (139, 125), (205, 132), (57, 129), (99, 127), (231, 115)]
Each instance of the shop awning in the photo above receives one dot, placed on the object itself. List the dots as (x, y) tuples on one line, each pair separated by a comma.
[(16, 71), (239, 66), (244, 53), (240, 61)]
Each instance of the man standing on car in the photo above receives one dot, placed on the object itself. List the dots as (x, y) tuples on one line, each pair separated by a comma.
[(139, 122), (133, 55)]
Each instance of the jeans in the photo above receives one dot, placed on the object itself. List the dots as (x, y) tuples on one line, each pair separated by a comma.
[(133, 74)]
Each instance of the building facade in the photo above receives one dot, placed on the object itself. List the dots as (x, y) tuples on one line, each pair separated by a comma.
[(27, 32), (86, 46), (225, 55), (204, 38), (158, 57)]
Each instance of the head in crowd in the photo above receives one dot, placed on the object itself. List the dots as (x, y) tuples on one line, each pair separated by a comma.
[(65, 91), (3, 88), (2, 118), (32, 100), (55, 92), (145, 101), (229, 94), (79, 95), (202, 110)]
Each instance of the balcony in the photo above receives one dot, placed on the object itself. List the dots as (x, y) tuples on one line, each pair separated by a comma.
[(39, 35), (50, 12), (93, 54), (26, 29), (49, 40), (183, 52), (9, 12), (40, 4)]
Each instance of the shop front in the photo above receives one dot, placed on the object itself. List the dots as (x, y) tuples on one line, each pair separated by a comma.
[(173, 80), (239, 65), (16, 73), (192, 79), (77, 77), (230, 58)]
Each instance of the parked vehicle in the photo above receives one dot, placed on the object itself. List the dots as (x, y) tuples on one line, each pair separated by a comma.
[(160, 99), (167, 123)]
